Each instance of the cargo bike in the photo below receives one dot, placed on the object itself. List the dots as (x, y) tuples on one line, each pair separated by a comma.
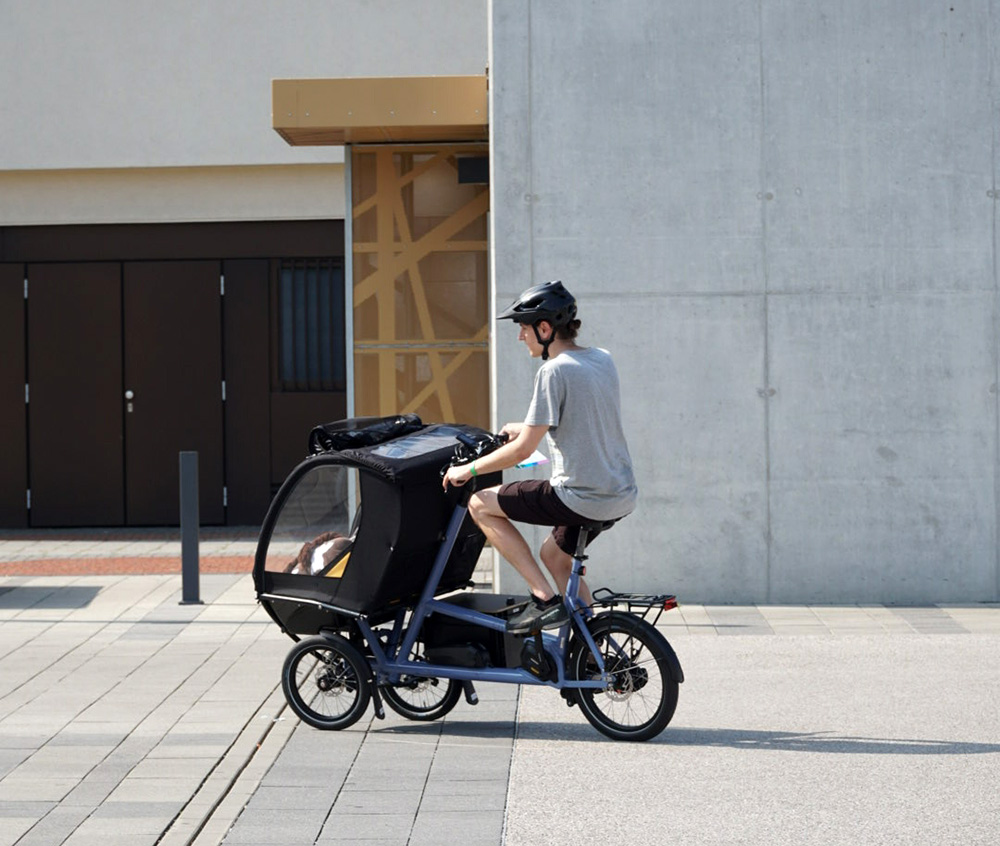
[(366, 562)]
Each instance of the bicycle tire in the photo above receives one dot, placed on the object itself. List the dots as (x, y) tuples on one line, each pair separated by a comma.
[(641, 697), (422, 690), (326, 682), (421, 698)]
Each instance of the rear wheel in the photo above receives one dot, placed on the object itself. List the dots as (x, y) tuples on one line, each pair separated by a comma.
[(641, 695), (326, 682), (419, 697)]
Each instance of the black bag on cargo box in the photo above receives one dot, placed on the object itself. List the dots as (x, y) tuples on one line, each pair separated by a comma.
[(360, 432)]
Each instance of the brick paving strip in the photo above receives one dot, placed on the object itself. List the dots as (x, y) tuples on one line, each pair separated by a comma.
[(133, 565)]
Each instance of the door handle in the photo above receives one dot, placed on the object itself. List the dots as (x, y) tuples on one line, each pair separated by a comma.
[(129, 397)]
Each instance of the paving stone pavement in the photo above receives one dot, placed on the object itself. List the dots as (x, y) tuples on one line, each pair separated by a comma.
[(128, 718)]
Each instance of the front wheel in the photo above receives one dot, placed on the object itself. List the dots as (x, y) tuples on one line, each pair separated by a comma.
[(419, 697), (641, 695), (326, 682)]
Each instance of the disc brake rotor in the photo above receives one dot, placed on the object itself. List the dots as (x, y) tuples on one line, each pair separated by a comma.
[(330, 683), (626, 678)]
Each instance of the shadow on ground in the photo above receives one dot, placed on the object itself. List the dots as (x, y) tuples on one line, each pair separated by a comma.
[(65, 596), (784, 741)]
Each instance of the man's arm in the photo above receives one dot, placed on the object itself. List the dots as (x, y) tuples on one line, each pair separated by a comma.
[(516, 450)]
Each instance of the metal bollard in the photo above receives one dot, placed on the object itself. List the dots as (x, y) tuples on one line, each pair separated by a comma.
[(189, 529)]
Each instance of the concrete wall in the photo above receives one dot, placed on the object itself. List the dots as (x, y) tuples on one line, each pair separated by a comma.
[(780, 217), (138, 110)]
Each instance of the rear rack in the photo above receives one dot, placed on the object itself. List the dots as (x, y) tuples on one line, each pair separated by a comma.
[(647, 602)]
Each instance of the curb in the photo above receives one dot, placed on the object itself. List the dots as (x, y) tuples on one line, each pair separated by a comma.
[(210, 813)]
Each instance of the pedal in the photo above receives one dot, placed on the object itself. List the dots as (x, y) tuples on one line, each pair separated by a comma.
[(470, 693), (513, 605)]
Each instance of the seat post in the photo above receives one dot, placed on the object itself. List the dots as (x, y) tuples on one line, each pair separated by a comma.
[(581, 548)]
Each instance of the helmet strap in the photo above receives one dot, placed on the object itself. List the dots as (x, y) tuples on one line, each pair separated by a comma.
[(545, 344)]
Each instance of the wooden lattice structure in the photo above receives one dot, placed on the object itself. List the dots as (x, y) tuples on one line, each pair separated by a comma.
[(420, 283)]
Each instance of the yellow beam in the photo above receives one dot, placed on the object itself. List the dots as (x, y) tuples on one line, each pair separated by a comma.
[(386, 294), (447, 247), (380, 109)]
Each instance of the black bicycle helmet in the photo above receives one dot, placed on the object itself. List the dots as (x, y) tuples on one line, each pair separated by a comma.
[(550, 302)]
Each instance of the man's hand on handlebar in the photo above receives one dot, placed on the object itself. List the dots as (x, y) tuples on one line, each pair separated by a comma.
[(467, 452), (511, 430), (457, 476)]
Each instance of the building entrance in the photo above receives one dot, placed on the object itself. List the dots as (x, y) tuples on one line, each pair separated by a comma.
[(124, 372), (122, 346)]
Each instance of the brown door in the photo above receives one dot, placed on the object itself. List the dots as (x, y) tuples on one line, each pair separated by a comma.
[(173, 387), (13, 425), (248, 434), (75, 409)]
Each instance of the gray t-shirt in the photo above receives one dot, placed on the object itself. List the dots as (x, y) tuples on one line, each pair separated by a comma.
[(577, 396)]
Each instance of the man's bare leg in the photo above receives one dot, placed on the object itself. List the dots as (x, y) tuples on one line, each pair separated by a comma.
[(560, 565), (508, 541)]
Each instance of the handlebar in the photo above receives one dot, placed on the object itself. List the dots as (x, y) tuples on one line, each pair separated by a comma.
[(470, 448), (468, 440)]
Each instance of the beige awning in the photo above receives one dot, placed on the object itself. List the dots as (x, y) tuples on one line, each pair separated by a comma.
[(397, 110)]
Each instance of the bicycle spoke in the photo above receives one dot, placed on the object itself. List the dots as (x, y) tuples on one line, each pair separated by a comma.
[(340, 678)]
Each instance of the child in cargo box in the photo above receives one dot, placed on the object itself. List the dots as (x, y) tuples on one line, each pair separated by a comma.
[(577, 406), (316, 556)]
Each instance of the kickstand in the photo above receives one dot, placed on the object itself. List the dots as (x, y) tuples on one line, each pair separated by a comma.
[(377, 701)]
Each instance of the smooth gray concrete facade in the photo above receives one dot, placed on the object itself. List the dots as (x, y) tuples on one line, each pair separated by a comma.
[(780, 217)]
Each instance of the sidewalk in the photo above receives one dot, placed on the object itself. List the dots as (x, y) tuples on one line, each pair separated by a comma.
[(127, 718)]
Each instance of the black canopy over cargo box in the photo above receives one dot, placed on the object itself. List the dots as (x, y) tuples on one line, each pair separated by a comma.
[(355, 528)]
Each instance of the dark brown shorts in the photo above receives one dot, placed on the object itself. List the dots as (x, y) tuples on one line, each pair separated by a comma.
[(533, 501)]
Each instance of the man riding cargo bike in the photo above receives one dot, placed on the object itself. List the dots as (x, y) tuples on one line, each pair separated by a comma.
[(361, 553), (576, 405)]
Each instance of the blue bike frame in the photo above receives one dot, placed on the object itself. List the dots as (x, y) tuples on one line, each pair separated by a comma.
[(391, 662)]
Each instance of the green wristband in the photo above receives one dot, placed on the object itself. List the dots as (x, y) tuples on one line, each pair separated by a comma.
[(472, 470)]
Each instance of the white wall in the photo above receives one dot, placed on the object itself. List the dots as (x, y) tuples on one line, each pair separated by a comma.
[(146, 83), (135, 111)]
